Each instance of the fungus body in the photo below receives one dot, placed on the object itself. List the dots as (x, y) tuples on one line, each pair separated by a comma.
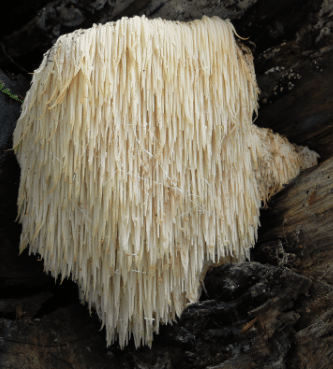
[(140, 165)]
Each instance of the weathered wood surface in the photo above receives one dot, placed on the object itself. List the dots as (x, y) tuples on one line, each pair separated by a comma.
[(301, 216), (59, 17), (297, 234), (249, 312), (305, 114)]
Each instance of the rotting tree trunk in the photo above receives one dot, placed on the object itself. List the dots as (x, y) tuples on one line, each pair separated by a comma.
[(297, 233), (301, 216), (305, 114)]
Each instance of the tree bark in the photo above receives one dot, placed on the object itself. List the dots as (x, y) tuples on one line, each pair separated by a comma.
[(301, 216), (305, 113)]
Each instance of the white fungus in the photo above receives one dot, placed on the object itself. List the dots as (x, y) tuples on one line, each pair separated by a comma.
[(140, 166)]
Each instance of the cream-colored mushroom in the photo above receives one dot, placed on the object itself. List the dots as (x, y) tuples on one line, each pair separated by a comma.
[(140, 165)]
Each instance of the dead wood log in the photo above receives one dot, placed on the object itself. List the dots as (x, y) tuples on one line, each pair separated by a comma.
[(304, 114), (301, 216)]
